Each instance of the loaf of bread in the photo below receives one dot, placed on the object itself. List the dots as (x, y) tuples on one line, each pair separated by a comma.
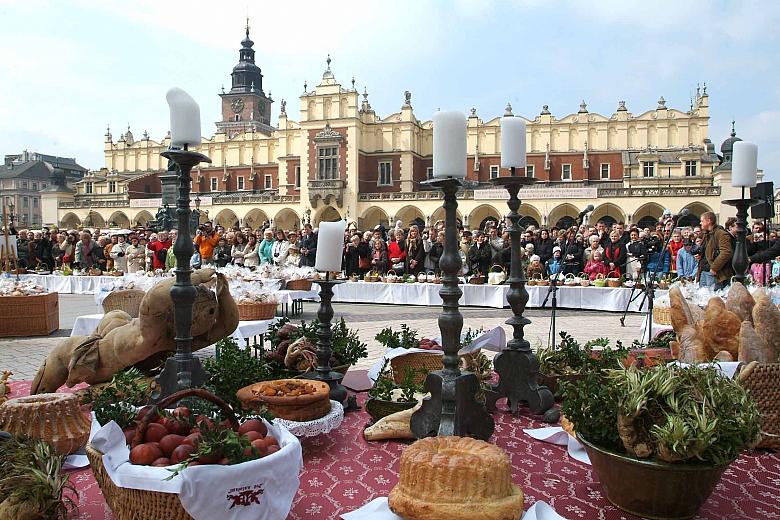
[(766, 320)]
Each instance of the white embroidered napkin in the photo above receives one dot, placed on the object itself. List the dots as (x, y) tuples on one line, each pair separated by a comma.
[(556, 435), (378, 509)]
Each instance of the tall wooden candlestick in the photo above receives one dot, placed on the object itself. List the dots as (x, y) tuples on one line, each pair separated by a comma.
[(517, 365), (452, 408), (183, 370)]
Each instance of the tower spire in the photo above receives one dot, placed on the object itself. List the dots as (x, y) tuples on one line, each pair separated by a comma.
[(247, 27)]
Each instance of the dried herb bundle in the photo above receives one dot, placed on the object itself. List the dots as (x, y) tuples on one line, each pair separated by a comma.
[(668, 413), (33, 486)]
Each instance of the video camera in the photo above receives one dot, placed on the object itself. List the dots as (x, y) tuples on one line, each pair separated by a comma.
[(644, 247)]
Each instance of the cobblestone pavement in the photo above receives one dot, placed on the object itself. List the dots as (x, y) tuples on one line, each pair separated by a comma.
[(24, 355)]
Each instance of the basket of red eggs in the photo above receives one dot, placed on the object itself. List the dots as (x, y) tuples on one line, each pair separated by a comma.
[(178, 465)]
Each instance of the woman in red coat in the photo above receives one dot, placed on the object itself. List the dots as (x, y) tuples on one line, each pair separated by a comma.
[(615, 254), (396, 251)]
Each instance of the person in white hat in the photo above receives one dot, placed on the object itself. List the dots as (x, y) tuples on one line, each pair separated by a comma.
[(554, 264)]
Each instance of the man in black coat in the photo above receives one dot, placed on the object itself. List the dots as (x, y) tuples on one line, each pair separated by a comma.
[(308, 246), (480, 254)]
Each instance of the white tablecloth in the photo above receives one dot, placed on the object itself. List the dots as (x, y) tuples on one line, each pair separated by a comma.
[(70, 284), (86, 325), (593, 298), (287, 297)]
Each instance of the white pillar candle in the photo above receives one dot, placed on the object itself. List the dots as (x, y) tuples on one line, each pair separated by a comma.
[(185, 118), (512, 142), (330, 246), (449, 144), (744, 164)]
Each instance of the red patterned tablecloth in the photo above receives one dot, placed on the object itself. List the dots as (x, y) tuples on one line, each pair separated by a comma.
[(342, 472)]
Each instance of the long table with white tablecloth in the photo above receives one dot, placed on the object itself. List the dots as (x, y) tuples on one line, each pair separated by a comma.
[(590, 298)]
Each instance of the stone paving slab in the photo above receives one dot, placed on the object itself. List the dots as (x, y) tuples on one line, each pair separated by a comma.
[(24, 355)]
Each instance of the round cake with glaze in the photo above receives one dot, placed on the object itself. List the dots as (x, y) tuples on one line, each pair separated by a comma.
[(290, 399), (455, 478), (54, 418)]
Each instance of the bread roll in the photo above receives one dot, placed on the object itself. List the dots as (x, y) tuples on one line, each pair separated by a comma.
[(740, 302), (753, 347), (766, 320)]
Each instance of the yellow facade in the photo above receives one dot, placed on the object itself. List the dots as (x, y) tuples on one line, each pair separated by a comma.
[(670, 139)]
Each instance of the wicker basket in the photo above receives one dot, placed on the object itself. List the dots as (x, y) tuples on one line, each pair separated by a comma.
[(614, 282), (420, 362), (298, 285), (128, 300), (256, 311), (762, 380), (662, 315), (136, 504), (36, 315), (477, 279)]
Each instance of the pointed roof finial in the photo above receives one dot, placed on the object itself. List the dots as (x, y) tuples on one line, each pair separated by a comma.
[(704, 90), (583, 107), (353, 82), (269, 95), (108, 129), (365, 93), (508, 110), (733, 131), (284, 107), (661, 103), (247, 27), (305, 87), (146, 135), (328, 61)]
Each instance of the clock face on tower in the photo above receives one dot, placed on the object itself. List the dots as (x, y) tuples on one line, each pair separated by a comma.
[(237, 105)]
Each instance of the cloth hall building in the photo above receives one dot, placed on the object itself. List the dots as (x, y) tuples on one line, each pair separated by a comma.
[(337, 158)]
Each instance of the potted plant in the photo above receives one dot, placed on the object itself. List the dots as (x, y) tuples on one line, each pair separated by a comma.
[(569, 360), (388, 397), (659, 438)]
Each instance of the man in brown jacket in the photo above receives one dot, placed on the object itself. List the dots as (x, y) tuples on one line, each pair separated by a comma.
[(715, 268)]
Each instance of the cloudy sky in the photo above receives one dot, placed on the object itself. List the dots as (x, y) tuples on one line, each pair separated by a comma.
[(71, 67)]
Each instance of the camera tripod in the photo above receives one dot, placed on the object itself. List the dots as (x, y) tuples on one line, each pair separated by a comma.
[(648, 279), (647, 292)]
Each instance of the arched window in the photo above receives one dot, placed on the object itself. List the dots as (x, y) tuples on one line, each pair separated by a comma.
[(566, 222), (528, 221), (647, 222)]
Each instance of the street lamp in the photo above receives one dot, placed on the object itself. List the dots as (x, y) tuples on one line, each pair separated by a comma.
[(197, 202)]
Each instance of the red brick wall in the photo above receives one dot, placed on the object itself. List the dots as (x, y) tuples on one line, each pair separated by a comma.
[(137, 188), (262, 171), (368, 166), (342, 154), (290, 176), (420, 168)]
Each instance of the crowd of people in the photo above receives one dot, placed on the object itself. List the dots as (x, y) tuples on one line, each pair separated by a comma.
[(701, 253)]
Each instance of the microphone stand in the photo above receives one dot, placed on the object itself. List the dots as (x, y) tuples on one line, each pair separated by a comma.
[(553, 290)]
